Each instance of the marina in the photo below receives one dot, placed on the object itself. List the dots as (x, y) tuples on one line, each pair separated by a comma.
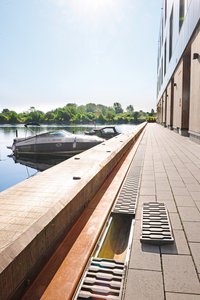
[(101, 235), (108, 210)]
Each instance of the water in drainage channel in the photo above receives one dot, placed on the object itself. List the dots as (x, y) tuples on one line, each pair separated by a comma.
[(105, 273)]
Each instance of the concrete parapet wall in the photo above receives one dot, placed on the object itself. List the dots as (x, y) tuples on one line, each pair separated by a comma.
[(41, 210)]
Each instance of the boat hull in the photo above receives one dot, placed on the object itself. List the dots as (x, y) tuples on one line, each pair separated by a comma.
[(47, 145), (57, 149)]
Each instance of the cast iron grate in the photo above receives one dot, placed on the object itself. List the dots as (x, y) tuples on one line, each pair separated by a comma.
[(103, 280), (127, 199), (156, 228)]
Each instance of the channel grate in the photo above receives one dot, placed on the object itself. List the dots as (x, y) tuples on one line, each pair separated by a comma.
[(156, 228), (102, 280), (127, 198)]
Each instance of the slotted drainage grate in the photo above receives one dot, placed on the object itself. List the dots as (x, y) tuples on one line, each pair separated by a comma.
[(127, 199), (103, 280), (156, 228)]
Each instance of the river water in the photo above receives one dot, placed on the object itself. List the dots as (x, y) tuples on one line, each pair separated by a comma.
[(13, 171)]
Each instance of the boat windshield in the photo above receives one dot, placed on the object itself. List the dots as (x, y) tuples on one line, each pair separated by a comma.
[(60, 133)]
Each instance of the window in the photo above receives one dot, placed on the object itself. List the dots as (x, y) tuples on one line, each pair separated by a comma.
[(165, 53), (108, 130), (181, 13), (170, 34), (165, 10), (61, 133)]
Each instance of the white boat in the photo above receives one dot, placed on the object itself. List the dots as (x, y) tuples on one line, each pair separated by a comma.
[(54, 143)]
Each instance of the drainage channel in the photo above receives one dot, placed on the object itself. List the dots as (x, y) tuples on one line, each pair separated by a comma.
[(106, 271)]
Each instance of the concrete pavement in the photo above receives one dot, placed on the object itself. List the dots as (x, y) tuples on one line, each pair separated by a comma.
[(171, 175)]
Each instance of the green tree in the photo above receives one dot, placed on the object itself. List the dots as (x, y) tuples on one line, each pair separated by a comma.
[(32, 109), (5, 111), (118, 108), (91, 107), (3, 118), (130, 109), (152, 113), (34, 115), (49, 117), (110, 116), (9, 116), (101, 119), (13, 117), (102, 108), (136, 115)]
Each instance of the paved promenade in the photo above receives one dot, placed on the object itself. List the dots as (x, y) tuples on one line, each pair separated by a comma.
[(171, 174)]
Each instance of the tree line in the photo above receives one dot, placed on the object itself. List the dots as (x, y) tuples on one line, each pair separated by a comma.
[(71, 113)]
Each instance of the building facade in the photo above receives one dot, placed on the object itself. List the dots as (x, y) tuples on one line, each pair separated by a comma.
[(178, 67)]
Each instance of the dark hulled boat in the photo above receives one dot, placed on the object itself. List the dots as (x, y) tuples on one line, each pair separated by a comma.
[(54, 143)]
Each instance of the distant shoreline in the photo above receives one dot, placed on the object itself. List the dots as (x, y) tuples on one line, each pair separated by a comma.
[(72, 114)]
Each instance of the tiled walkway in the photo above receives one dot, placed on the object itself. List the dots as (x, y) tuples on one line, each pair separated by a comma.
[(171, 174)]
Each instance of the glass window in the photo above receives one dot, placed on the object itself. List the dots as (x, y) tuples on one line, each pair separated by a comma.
[(165, 53), (170, 34), (60, 133), (108, 130), (181, 13), (165, 10)]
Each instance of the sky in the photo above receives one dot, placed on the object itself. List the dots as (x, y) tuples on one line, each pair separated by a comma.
[(54, 52)]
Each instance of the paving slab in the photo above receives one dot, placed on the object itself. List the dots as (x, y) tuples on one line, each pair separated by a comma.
[(144, 285), (192, 230), (180, 246), (164, 195), (146, 199), (193, 187), (184, 201), (180, 275), (195, 249), (145, 257), (195, 195), (170, 205), (180, 191), (178, 296), (176, 183), (147, 191), (198, 205), (175, 221), (137, 229), (191, 214)]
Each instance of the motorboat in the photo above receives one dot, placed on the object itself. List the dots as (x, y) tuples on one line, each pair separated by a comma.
[(54, 143), (104, 132)]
